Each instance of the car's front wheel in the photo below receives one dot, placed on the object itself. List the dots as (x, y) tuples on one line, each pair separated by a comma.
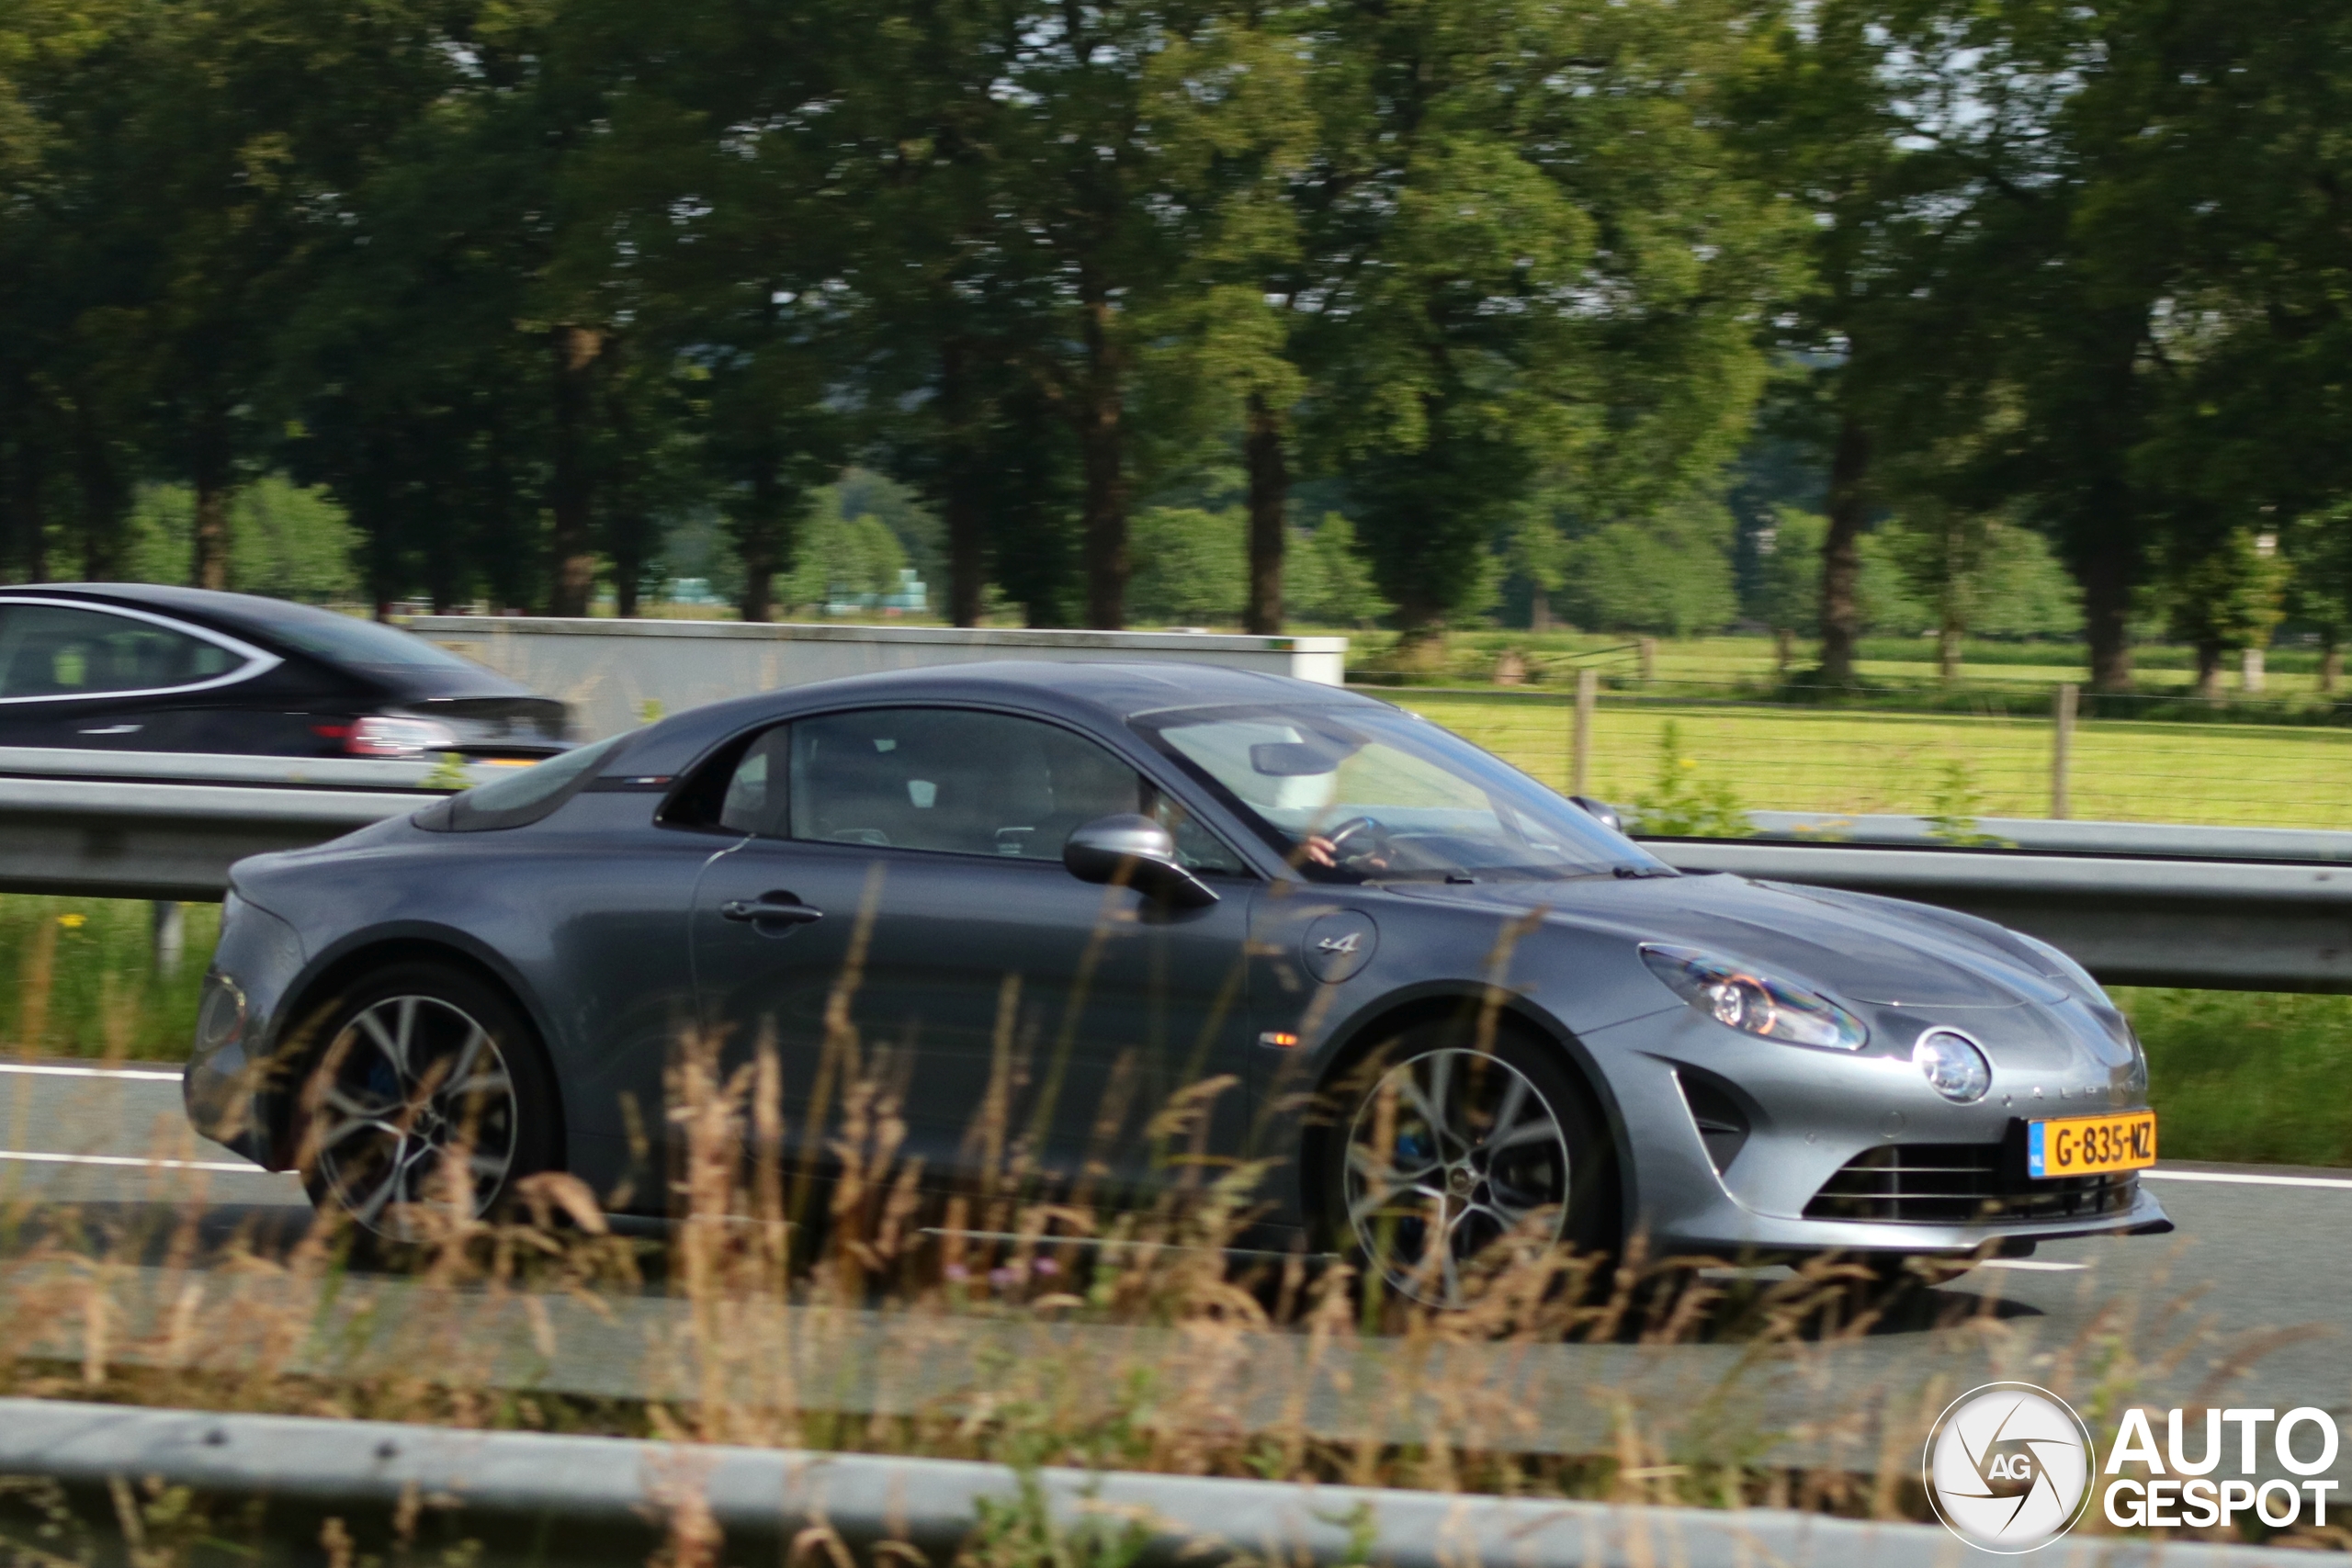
[(1442, 1149), (429, 1092)]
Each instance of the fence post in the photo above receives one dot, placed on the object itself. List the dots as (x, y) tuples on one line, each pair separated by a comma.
[(1580, 730), (2061, 749), (170, 934), (1649, 658)]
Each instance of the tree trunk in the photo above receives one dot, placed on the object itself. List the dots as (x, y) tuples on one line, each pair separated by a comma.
[(629, 534), (755, 541), (1101, 441), (628, 526), (960, 504), (1268, 531), (209, 565), (28, 521), (2208, 669), (571, 489), (1538, 609), (2107, 619), (2331, 660), (1948, 650), (105, 499), (1841, 557)]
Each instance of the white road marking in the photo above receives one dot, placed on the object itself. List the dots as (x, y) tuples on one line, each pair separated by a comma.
[(2249, 1178), (46, 1071), (239, 1167), (2034, 1265)]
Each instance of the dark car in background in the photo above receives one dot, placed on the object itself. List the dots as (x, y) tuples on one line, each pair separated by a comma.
[(146, 668)]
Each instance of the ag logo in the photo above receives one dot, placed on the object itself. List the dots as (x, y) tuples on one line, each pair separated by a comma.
[(2008, 1467)]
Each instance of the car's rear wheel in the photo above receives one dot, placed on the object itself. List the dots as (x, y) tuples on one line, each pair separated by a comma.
[(1442, 1149), (429, 1092)]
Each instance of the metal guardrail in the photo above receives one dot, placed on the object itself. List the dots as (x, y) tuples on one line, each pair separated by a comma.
[(2224, 925), (530, 1497), (2249, 908), (150, 825)]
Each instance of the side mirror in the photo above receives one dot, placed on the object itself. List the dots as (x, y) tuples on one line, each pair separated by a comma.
[(1601, 811), (1138, 851)]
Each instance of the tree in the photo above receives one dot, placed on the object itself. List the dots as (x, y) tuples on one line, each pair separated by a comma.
[(1668, 574), (1328, 582), (1551, 277), (1861, 111), (2225, 594), (1977, 573), (1192, 565)]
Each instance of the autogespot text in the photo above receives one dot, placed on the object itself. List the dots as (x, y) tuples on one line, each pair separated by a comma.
[(2174, 1486)]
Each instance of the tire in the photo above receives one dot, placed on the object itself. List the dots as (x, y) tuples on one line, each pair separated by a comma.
[(416, 1059), (1524, 1151)]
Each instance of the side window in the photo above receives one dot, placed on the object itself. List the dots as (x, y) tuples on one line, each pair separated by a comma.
[(754, 802), (49, 650), (964, 783)]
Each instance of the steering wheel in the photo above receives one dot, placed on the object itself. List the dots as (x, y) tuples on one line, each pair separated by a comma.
[(1358, 837)]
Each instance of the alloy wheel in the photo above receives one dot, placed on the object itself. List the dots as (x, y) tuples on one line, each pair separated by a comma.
[(1450, 1150), (413, 1084)]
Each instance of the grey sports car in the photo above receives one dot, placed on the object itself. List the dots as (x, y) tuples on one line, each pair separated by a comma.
[(1445, 1002)]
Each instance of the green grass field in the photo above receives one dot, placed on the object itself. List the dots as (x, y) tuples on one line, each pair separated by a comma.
[(84, 981), (2014, 669), (1784, 759)]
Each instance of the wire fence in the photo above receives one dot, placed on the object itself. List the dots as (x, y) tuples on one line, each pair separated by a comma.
[(2161, 757)]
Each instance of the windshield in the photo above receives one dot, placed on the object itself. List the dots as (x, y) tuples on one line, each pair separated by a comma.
[(1372, 794)]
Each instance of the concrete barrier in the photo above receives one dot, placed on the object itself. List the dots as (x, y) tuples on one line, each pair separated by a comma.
[(615, 672)]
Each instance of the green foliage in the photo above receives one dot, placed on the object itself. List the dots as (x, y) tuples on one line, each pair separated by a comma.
[(1971, 572), (1787, 592), (1669, 574), (449, 772), (1679, 805), (1951, 819), (1328, 582), (81, 979), (2250, 1076), (2229, 594), (284, 540), (1191, 567), (843, 558), (536, 294)]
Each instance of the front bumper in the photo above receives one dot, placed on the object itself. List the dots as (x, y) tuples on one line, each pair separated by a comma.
[(1802, 1116)]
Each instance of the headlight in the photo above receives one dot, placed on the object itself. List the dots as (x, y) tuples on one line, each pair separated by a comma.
[(1746, 999), (1955, 1068), (221, 1016)]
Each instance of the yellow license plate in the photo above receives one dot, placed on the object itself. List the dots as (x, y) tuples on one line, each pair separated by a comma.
[(2088, 1146)]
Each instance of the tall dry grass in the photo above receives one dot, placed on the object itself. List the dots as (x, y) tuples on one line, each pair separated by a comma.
[(816, 1287)]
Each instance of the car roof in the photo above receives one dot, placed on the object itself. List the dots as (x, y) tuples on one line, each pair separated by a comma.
[(246, 611), (1105, 690)]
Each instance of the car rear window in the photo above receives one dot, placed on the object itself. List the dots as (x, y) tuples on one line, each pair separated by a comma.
[(347, 639)]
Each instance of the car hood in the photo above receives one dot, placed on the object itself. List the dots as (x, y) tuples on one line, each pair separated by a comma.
[(1855, 946)]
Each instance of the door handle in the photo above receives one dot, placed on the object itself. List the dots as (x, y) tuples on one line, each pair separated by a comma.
[(771, 910)]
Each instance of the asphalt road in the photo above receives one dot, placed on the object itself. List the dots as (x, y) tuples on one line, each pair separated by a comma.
[(2252, 1297)]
